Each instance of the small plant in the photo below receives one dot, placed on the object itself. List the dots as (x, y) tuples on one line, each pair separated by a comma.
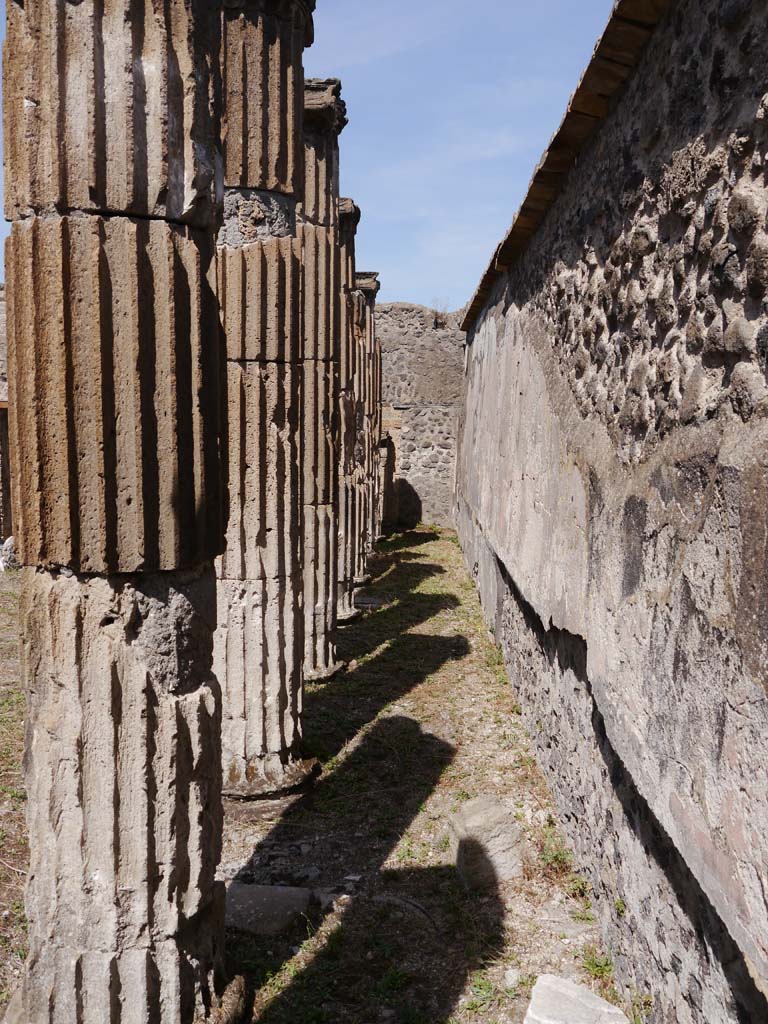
[(597, 965), (584, 913), (482, 992), (621, 907), (554, 855), (640, 1008), (395, 980), (524, 986), (578, 888)]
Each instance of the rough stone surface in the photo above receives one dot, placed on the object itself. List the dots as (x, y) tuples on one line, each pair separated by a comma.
[(101, 117), (114, 396), (325, 118), (259, 292), (321, 292), (349, 415), (3, 349), (559, 1001), (367, 395), (253, 215), (263, 82), (259, 641), (487, 843), (8, 559), (321, 539), (624, 569), (6, 507), (263, 472), (258, 653), (265, 910), (113, 182), (126, 835), (422, 355)]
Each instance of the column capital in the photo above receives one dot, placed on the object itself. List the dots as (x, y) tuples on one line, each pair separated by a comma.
[(367, 281), (324, 109), (349, 214), (285, 9)]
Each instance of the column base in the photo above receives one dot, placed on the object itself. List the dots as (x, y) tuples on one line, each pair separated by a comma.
[(271, 776), (348, 615), (322, 675)]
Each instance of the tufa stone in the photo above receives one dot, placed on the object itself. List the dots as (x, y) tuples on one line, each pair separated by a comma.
[(487, 843), (559, 1001), (265, 910)]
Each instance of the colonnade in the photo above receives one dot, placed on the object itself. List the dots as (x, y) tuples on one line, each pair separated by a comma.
[(193, 388)]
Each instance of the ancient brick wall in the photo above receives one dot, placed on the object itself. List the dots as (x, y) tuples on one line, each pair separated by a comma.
[(612, 481), (422, 366)]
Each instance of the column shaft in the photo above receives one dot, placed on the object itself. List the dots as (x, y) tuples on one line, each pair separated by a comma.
[(259, 642), (111, 147), (325, 118), (349, 218)]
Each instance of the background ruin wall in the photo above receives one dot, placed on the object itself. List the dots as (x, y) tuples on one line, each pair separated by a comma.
[(423, 367), (612, 486)]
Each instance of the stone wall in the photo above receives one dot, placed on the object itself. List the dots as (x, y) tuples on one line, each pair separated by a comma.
[(423, 360), (612, 481)]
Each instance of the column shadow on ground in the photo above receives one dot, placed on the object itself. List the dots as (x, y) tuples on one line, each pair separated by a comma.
[(406, 939), (403, 939)]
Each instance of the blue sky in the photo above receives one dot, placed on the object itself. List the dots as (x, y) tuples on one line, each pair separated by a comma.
[(451, 104)]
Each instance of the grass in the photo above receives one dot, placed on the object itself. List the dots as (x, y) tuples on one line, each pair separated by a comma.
[(424, 721), (13, 845)]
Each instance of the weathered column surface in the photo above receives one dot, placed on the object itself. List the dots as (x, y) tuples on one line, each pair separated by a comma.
[(368, 283), (6, 513), (349, 218), (259, 644), (114, 420), (325, 118)]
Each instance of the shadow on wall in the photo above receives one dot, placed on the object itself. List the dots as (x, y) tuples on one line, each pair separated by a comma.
[(543, 653), (402, 507)]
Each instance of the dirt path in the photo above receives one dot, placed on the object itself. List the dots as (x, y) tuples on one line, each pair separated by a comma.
[(423, 721), (13, 840)]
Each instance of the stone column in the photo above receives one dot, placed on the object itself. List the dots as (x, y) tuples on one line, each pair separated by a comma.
[(349, 218), (324, 120), (368, 284), (259, 644), (6, 514), (111, 146)]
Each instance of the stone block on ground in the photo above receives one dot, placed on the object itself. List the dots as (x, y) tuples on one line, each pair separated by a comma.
[(487, 843), (559, 1001), (265, 909)]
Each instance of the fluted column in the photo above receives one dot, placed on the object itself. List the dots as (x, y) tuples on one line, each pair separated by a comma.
[(368, 285), (324, 119), (349, 218), (111, 150), (259, 644)]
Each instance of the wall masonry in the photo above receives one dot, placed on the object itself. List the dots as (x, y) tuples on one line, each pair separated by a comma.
[(422, 353), (616, 392), (324, 120), (114, 418), (259, 644)]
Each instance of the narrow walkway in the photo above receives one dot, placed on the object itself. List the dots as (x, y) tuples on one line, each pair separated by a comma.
[(13, 835), (423, 721)]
